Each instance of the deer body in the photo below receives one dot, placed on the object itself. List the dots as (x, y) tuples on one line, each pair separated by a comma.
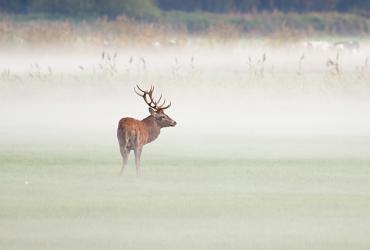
[(133, 134)]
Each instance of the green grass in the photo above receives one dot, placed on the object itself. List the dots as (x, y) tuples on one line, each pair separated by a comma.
[(73, 198)]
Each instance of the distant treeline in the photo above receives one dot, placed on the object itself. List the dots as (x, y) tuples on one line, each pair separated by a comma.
[(207, 16), (140, 9), (151, 8)]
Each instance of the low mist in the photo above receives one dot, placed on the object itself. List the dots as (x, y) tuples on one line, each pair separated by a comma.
[(217, 92)]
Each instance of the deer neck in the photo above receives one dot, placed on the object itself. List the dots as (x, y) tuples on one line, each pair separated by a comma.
[(152, 127)]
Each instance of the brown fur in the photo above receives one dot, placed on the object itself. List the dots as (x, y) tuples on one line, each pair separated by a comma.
[(134, 133)]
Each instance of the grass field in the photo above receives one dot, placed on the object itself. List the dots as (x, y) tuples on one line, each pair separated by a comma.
[(262, 157), (73, 198)]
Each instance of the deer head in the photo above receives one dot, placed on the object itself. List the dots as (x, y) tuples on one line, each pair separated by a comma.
[(156, 109)]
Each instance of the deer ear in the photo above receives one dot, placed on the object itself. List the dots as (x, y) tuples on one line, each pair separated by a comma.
[(152, 112)]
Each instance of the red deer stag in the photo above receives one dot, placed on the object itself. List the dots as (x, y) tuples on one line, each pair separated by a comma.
[(133, 134)]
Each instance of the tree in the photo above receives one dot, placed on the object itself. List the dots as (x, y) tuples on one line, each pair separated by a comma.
[(15, 6)]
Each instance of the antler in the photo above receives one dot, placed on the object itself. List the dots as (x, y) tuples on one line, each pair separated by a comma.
[(151, 102)]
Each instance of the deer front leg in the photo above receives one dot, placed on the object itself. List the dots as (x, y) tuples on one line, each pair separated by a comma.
[(125, 153), (137, 152)]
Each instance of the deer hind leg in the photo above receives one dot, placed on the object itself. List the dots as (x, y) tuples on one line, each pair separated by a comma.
[(137, 152), (125, 153)]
